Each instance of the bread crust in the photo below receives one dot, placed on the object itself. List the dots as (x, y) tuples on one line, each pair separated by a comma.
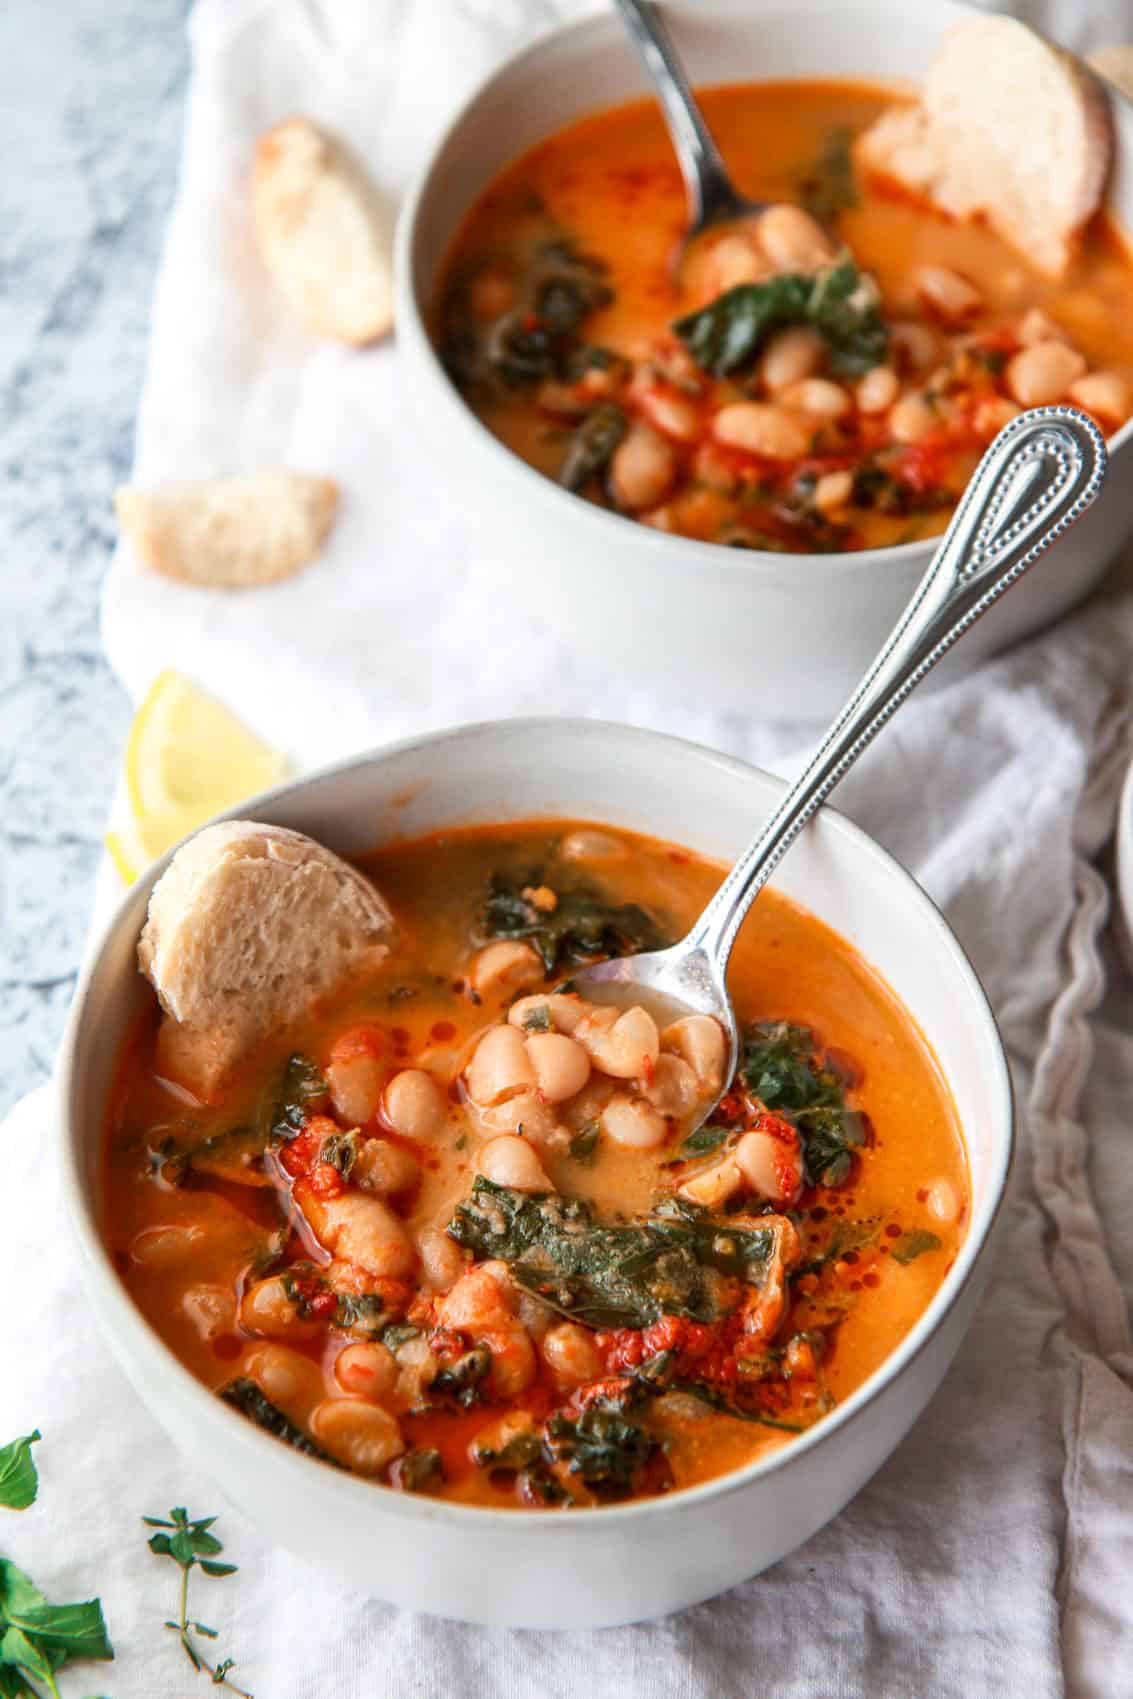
[(247, 927), (325, 232), (1008, 128), (229, 533)]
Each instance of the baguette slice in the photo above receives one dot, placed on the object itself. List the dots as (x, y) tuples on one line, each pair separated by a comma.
[(1008, 127), (1115, 63), (229, 533), (247, 927), (325, 232)]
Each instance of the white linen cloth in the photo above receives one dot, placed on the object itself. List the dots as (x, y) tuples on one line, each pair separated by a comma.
[(992, 1555)]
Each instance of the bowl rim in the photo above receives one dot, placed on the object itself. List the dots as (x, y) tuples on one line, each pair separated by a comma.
[(671, 551), (131, 1327)]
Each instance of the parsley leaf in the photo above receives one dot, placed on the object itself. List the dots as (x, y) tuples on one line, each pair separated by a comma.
[(19, 1481)]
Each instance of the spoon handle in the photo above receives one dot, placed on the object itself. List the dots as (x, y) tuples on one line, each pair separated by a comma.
[(707, 184), (1041, 472)]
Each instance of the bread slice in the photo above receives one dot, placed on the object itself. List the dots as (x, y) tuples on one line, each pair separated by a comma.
[(247, 927), (1007, 127), (325, 232), (1115, 64), (229, 533)]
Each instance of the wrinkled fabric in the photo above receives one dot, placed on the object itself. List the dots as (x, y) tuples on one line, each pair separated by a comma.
[(991, 1556)]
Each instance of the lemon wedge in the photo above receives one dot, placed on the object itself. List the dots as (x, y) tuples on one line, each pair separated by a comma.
[(187, 759)]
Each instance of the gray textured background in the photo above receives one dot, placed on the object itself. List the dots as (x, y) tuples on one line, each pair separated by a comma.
[(90, 111)]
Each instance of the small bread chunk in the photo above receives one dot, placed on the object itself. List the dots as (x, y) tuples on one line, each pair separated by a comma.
[(247, 926), (229, 533), (1008, 127), (1115, 64), (324, 231)]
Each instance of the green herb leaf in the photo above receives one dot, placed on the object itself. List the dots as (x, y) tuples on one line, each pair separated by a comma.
[(420, 1471), (191, 1545), (537, 1020), (781, 1067), (600, 1445), (244, 1395), (828, 187), (582, 926), (678, 1261), (302, 1090), (583, 1146), (592, 445), (19, 1482), (914, 1244), (704, 1139), (840, 302)]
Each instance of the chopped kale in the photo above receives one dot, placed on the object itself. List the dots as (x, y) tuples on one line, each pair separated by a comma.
[(581, 926), (518, 1452), (361, 1312), (840, 302), (584, 1145), (705, 1139), (592, 445), (600, 1445), (781, 1068), (301, 1090), (463, 1380), (828, 186), (420, 1471), (244, 1395), (678, 1261), (340, 1151), (537, 1020), (914, 1244), (399, 1333)]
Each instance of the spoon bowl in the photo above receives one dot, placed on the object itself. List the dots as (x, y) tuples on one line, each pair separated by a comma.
[(1039, 475)]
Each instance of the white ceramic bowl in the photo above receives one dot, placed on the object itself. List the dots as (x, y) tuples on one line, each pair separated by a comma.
[(594, 1567), (777, 635)]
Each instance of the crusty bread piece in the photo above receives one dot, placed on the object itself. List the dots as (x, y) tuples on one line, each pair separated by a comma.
[(229, 533), (325, 232), (1116, 65), (247, 926), (1008, 127)]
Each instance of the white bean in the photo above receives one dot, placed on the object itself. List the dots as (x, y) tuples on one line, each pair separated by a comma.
[(634, 1123), (833, 491), (442, 1261), (911, 419), (818, 396), (759, 427), (525, 1113), (674, 415), (511, 1162), (562, 1067), (714, 1186), (563, 1010), (413, 1104), (793, 240), (878, 390), (484, 1298), (1041, 375), (355, 1085), (1037, 326), (384, 1168), (991, 414), (164, 1247), (368, 1369), (624, 1048), (790, 356), (674, 1089), (286, 1377), (589, 845), (570, 1353), (700, 1040), (947, 292), (505, 966), (266, 1308), (915, 345), (364, 1231), (363, 1436), (642, 469), (943, 1201), (733, 260), (771, 1166), (1108, 394), (500, 1067)]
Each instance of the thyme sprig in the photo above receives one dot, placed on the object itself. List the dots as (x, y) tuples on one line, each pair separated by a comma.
[(192, 1545)]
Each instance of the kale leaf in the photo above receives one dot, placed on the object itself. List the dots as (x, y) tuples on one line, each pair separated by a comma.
[(914, 1244), (245, 1396), (677, 1261), (301, 1090), (780, 1067), (581, 926), (601, 1445), (592, 445), (840, 302), (828, 186)]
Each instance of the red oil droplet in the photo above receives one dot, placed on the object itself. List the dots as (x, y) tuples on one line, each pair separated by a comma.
[(442, 1031)]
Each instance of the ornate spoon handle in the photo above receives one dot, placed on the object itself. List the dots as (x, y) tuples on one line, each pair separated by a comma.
[(1041, 472)]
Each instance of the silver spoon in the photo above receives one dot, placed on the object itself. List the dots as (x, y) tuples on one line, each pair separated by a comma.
[(1039, 475), (712, 196)]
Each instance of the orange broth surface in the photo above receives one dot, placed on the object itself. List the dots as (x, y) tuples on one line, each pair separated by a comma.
[(194, 1230), (609, 186)]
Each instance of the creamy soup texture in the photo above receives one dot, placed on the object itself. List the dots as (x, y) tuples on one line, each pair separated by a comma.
[(823, 380), (449, 1232)]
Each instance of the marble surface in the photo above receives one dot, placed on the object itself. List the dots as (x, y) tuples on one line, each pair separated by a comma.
[(90, 109)]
